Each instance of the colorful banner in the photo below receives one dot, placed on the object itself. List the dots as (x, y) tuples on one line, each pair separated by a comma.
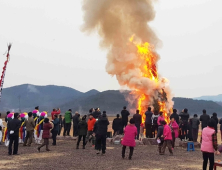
[(4, 70)]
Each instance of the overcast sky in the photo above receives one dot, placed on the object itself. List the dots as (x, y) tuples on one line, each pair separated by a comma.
[(49, 48)]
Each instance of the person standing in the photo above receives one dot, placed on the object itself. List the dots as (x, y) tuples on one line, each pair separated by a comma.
[(167, 139), (55, 129), (97, 113), (30, 125), (154, 123), (68, 117), (174, 130), (60, 124), (117, 125), (1, 128), (46, 134), (75, 124), (130, 133), (184, 125), (82, 132), (55, 112), (160, 118), (101, 133), (195, 127), (91, 122), (214, 117), (13, 128), (138, 120), (125, 114), (148, 123), (175, 116), (208, 144), (160, 136), (204, 118)]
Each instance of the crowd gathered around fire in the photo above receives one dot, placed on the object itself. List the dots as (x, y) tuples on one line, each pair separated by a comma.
[(93, 128)]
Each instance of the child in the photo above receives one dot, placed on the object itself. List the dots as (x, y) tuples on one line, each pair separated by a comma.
[(160, 136), (82, 129), (209, 144), (167, 139), (130, 133), (46, 134), (141, 131)]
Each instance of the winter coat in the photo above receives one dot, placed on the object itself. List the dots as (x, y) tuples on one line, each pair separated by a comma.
[(117, 124), (216, 122), (30, 124), (56, 124), (167, 133), (68, 117), (60, 122), (195, 123), (75, 120), (130, 133), (175, 128), (46, 130), (176, 117), (91, 123), (207, 141), (160, 132), (83, 128), (102, 126), (95, 127), (160, 118), (55, 113), (184, 117), (14, 125), (204, 120), (125, 114), (220, 125), (149, 117), (155, 119), (96, 114), (138, 119)]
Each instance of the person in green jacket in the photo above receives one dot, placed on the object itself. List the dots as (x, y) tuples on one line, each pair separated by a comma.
[(68, 118), (82, 127)]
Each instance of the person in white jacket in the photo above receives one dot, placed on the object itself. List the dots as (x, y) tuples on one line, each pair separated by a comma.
[(1, 128)]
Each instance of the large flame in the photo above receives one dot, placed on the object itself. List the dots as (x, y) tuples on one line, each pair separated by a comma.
[(149, 70)]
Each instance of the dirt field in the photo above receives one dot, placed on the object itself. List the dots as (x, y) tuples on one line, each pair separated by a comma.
[(65, 156)]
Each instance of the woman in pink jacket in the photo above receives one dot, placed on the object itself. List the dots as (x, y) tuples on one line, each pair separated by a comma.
[(160, 118), (174, 129), (130, 133), (167, 139)]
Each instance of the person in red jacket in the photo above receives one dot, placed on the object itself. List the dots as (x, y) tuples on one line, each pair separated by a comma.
[(55, 112), (91, 122), (46, 134), (167, 139)]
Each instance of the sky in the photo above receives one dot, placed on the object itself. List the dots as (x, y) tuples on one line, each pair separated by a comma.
[(48, 46)]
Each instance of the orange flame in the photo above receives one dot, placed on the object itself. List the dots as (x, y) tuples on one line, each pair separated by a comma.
[(148, 70)]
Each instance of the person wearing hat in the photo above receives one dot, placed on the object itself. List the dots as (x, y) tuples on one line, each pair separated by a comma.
[(75, 120), (82, 126), (68, 118), (101, 133), (13, 128)]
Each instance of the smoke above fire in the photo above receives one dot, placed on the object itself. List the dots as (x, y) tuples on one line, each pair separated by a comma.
[(123, 26)]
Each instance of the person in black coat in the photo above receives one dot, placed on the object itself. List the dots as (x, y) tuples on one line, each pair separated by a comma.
[(184, 123), (175, 116), (83, 127), (214, 117), (75, 124), (138, 120), (117, 125), (97, 113), (204, 118), (60, 124), (148, 123), (13, 129), (125, 114), (101, 133)]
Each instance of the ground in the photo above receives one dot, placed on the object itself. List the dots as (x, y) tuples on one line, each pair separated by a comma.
[(65, 156)]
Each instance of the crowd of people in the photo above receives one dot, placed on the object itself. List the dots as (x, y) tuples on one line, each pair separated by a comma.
[(93, 127)]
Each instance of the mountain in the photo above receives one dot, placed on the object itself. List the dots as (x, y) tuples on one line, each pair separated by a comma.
[(217, 98), (49, 97)]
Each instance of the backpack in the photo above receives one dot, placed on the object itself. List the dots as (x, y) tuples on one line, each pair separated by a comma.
[(155, 120)]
